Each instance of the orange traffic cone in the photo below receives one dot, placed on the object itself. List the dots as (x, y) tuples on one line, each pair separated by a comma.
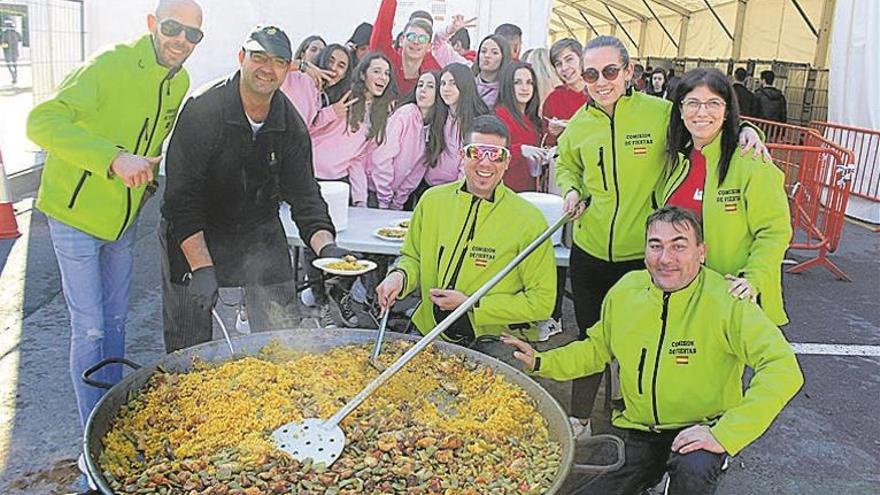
[(8, 225)]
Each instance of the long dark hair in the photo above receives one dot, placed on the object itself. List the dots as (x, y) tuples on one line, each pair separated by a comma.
[(335, 93), (301, 49), (678, 139), (381, 106), (436, 139), (469, 106), (507, 95), (505, 53)]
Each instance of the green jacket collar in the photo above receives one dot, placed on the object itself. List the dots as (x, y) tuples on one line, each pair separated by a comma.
[(712, 152), (148, 60), (684, 293), (623, 101), (500, 192)]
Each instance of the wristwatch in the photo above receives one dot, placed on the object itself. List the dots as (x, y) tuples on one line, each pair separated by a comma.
[(537, 364), (302, 65)]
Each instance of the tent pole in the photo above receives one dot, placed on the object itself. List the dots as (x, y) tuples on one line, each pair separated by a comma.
[(631, 40), (805, 17), (683, 35), (820, 59), (642, 32), (738, 29)]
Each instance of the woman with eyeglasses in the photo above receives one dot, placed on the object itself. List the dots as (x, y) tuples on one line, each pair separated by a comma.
[(400, 162), (414, 56), (308, 98), (610, 158), (740, 199), (517, 107)]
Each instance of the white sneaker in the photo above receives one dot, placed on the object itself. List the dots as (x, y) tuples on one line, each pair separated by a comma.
[(548, 328), (241, 322), (579, 429), (81, 464), (308, 297)]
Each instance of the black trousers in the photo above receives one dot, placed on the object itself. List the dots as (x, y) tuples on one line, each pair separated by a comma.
[(591, 279), (648, 456), (185, 324)]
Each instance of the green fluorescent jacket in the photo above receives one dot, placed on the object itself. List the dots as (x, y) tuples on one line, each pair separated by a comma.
[(681, 357), (120, 100), (437, 237), (614, 163), (746, 221)]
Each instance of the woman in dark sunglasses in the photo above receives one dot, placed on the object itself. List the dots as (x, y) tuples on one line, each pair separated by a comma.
[(610, 158), (740, 200), (414, 56)]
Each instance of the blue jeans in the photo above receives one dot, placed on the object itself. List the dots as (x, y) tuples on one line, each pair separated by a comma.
[(95, 279)]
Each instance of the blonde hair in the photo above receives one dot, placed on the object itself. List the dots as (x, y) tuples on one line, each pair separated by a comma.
[(539, 59)]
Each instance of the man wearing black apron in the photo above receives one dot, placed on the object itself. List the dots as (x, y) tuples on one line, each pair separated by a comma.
[(238, 150)]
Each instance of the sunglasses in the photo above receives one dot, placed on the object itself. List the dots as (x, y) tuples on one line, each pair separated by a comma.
[(421, 38), (609, 72), (171, 28), (495, 154)]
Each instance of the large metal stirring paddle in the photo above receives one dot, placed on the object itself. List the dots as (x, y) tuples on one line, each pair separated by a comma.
[(322, 440)]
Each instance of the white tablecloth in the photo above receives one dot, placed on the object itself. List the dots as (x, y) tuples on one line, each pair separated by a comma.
[(360, 237)]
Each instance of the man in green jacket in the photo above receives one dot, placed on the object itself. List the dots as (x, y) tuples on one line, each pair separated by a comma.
[(103, 131), (461, 235), (682, 343)]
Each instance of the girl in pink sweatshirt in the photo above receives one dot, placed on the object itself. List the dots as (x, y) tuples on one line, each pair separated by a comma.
[(399, 164), (456, 109), (343, 138), (336, 61)]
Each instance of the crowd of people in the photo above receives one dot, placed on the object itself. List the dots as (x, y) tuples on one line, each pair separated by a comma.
[(680, 221)]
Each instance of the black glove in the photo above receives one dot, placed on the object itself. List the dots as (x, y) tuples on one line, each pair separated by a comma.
[(331, 250), (203, 287)]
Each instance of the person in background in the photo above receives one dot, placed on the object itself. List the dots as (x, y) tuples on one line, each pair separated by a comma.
[(682, 346), (103, 131), (539, 58), (343, 138), (493, 55), (745, 98), (657, 85), (513, 34), (456, 110), (517, 108), (312, 102), (610, 159), (460, 236), (740, 199), (359, 43), (461, 44), (571, 95), (9, 41), (414, 55), (309, 49), (638, 80), (400, 163), (770, 102)]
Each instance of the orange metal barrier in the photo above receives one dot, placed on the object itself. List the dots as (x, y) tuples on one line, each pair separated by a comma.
[(776, 132), (865, 145), (818, 180)]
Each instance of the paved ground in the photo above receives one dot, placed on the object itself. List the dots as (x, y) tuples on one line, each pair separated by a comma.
[(826, 441)]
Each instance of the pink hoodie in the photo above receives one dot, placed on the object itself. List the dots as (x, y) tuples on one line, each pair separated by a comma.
[(398, 164), (339, 153), (301, 91), (448, 167)]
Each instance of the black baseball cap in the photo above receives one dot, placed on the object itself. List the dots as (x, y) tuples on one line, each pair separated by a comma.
[(269, 39), (361, 35)]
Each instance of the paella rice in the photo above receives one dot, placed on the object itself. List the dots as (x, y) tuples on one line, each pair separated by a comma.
[(443, 424)]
